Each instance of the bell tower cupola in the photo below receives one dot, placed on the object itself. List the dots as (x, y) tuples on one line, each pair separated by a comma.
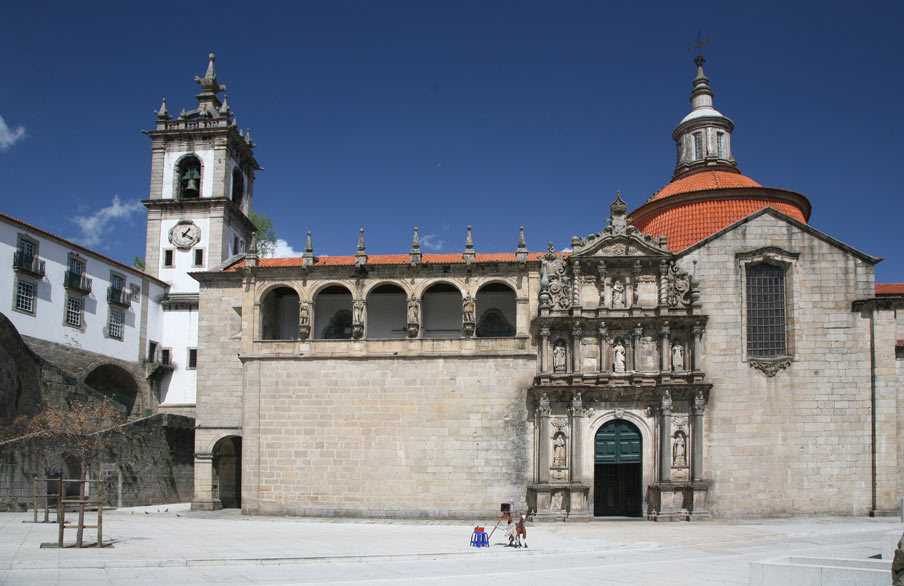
[(703, 137), (202, 180)]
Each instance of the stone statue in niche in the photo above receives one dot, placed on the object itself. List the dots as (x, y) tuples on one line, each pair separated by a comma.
[(677, 357), (413, 311), (558, 447), (467, 308), (555, 503), (304, 314), (618, 294), (358, 312), (558, 357), (618, 359), (679, 451)]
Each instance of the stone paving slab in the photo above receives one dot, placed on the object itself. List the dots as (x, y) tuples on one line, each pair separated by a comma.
[(166, 544)]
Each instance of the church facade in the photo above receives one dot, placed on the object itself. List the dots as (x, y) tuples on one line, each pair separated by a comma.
[(708, 354)]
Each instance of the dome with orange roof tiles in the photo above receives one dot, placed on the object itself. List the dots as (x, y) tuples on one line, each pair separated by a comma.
[(707, 192)]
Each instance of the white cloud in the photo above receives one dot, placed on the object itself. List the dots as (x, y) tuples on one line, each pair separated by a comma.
[(566, 249), (9, 137), (432, 242), (96, 226), (283, 250)]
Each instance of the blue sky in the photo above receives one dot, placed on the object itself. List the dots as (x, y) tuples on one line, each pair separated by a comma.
[(439, 114)]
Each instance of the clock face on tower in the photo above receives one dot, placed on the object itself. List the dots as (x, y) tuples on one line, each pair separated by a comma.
[(185, 234)]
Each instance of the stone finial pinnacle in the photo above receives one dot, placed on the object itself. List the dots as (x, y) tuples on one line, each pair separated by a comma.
[(162, 113), (415, 241), (307, 259), (361, 255), (469, 242), (224, 108), (209, 83), (521, 252)]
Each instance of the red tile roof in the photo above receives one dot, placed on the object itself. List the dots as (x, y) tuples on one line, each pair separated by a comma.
[(687, 224), (391, 259), (703, 181), (71, 244), (890, 289)]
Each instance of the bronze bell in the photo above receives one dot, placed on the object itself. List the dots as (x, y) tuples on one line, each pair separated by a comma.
[(191, 188)]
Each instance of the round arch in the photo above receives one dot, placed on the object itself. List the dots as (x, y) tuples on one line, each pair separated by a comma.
[(227, 471), (441, 310), (268, 287), (387, 311), (422, 288), (279, 311), (617, 490), (496, 309), (116, 383), (332, 318), (320, 287), (400, 284)]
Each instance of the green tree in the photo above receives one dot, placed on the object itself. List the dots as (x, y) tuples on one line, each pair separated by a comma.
[(138, 263), (266, 235)]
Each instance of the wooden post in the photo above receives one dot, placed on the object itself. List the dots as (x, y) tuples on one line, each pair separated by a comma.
[(100, 513), (61, 512)]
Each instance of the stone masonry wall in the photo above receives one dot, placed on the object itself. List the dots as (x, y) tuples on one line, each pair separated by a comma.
[(390, 437), (798, 442), (144, 462)]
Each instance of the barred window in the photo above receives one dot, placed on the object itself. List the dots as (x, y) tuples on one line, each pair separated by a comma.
[(765, 311), (114, 328), (25, 296), (74, 311)]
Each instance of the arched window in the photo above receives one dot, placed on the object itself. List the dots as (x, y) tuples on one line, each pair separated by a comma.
[(238, 186), (495, 311), (279, 314), (333, 313), (441, 312), (766, 323), (386, 312), (189, 172)]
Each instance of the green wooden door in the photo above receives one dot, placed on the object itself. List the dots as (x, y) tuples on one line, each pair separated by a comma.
[(618, 442)]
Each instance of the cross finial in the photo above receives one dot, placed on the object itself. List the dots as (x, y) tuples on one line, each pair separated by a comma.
[(699, 44)]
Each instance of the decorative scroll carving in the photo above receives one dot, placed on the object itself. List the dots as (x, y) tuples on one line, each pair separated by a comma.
[(555, 292), (683, 289), (770, 367)]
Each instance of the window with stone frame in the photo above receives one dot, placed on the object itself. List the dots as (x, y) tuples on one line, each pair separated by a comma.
[(115, 324), (698, 146), (767, 290), (766, 309), (75, 307), (25, 296)]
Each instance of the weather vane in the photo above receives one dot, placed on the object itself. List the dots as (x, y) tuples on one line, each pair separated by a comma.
[(699, 44)]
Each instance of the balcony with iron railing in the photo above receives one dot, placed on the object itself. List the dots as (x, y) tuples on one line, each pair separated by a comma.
[(77, 282), (119, 297), (28, 263)]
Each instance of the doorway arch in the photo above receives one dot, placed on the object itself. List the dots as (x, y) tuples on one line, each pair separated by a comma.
[(618, 470), (227, 471)]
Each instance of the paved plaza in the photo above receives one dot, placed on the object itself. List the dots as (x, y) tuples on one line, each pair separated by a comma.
[(169, 544)]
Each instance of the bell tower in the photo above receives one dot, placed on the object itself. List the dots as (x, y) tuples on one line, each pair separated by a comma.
[(202, 179)]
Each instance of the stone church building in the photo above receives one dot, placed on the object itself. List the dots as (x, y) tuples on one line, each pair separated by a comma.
[(707, 354)]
